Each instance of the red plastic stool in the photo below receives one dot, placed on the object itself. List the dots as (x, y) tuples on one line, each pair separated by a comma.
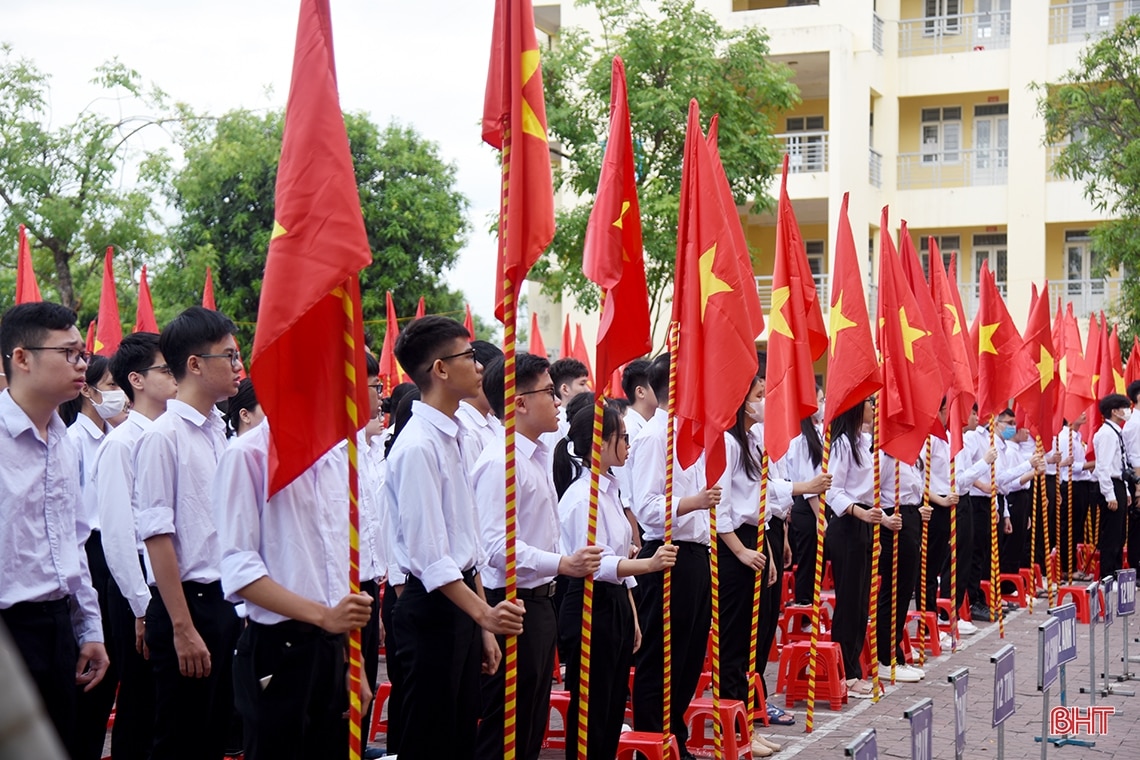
[(557, 667), (827, 599), (774, 651), (1080, 599), (945, 607), (1088, 559), (379, 725), (929, 622), (1020, 595), (795, 661), (828, 583), (555, 738), (787, 588), (736, 736), (648, 744), (797, 614)]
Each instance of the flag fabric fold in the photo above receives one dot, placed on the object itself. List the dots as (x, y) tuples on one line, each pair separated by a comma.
[(391, 374), (1039, 399), (1074, 368), (1114, 361), (421, 310), (144, 310), (581, 352), (566, 350), (536, 347), (108, 327), (27, 289), (468, 320), (1003, 372), (960, 388), (208, 292), (1132, 369)]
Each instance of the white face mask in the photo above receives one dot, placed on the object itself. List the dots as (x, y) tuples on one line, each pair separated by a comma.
[(114, 402), (1127, 414), (756, 410)]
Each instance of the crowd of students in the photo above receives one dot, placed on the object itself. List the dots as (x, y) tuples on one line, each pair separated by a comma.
[(142, 564)]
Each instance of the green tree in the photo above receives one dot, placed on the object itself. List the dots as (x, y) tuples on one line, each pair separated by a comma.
[(224, 194), (65, 185), (1094, 113), (671, 56)]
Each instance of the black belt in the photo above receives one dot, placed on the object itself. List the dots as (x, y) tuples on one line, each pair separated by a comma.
[(539, 593), (27, 610)]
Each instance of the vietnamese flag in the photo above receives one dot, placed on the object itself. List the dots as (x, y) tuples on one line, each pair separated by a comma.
[(793, 342), (144, 310), (390, 371), (1074, 369), (468, 320), (849, 331), (912, 383), (109, 332), (208, 292), (566, 350), (1093, 350), (1040, 398), (580, 352), (956, 295), (1003, 371), (1115, 362), (310, 327), (27, 289), (537, 347), (716, 353), (1132, 369), (514, 122), (90, 340), (613, 254), (960, 388), (916, 280), (420, 310)]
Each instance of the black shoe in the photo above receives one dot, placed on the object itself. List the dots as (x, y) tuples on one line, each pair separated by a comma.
[(370, 753), (980, 614)]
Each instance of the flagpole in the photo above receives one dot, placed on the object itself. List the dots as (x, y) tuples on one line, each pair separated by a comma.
[(953, 557), (667, 581), (895, 634), (1070, 552), (714, 580), (510, 662), (996, 607), (873, 626), (351, 420), (754, 686), (817, 588), (922, 558)]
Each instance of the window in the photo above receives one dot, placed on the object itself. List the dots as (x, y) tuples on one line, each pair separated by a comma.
[(991, 143), (816, 256), (991, 248), (948, 246), (942, 17), (1081, 264), (807, 152), (993, 19), (941, 135)]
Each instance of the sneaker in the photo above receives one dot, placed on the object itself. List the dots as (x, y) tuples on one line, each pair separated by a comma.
[(756, 739), (916, 670), (760, 750), (945, 640), (903, 674), (981, 613), (966, 628), (859, 689)]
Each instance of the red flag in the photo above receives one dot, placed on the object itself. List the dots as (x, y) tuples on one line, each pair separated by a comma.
[(317, 248), (1093, 357), (1075, 371), (1132, 370), (912, 384), (615, 383), (144, 311), (1040, 398), (956, 294), (90, 344), (514, 121), (110, 330), (613, 255), (1115, 362), (1002, 371), (960, 389), (468, 320), (390, 371), (796, 336), (716, 354), (582, 353), (208, 292), (566, 350), (931, 320), (537, 347), (420, 311), (27, 289), (849, 330)]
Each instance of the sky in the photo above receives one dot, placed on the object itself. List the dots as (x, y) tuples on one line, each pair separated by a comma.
[(422, 63)]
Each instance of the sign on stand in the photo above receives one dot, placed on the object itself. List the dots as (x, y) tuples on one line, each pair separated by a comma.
[(1005, 698), (960, 678), (921, 717), (864, 747)]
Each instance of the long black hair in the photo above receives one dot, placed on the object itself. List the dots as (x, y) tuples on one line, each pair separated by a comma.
[(814, 442), (739, 433), (401, 416), (568, 467), (849, 425)]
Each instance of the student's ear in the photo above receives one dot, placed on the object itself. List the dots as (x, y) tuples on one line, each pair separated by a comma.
[(193, 365), (136, 380)]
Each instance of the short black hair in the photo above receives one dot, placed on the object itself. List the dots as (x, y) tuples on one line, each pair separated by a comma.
[(402, 414), (636, 376), (28, 324), (1134, 391), (1111, 403), (245, 398), (527, 369), (135, 354), (486, 352), (371, 365), (1007, 412), (578, 401), (389, 405), (422, 342), (761, 363), (192, 332), (566, 370), (659, 377)]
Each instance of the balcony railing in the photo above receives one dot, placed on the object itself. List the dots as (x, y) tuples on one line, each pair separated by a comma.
[(764, 288), (958, 33), (806, 151), (876, 33), (1088, 296), (875, 167), (977, 167), (1078, 21)]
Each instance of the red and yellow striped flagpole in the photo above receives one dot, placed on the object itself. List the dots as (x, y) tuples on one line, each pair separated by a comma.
[(714, 577), (873, 626), (895, 636), (667, 581), (757, 590), (351, 420), (817, 592), (954, 558), (923, 596), (588, 581), (996, 607), (511, 658), (1070, 552)]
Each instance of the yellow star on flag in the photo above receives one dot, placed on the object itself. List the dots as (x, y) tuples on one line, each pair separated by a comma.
[(954, 312), (278, 230), (618, 223), (1045, 368), (986, 339), (1063, 370), (777, 322), (530, 123), (710, 283), (837, 321), (909, 334), (1117, 381)]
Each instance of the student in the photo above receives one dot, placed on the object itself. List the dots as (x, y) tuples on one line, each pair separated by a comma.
[(901, 519), (642, 404), (1116, 492), (1081, 471), (443, 624), (570, 378), (243, 413), (691, 593), (538, 555), (1131, 433), (47, 601), (287, 559), (478, 425), (140, 370), (805, 454), (616, 634), (191, 628), (848, 539), (1017, 466)]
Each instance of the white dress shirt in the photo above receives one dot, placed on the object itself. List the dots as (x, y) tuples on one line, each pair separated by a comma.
[(911, 481), (740, 494), (113, 480), (41, 558), (536, 543), (175, 462), (436, 536), (614, 532), (551, 439), (851, 482), (369, 482), (1131, 433), (477, 431), (87, 437), (797, 464), (634, 422), (1012, 464), (1066, 438), (647, 460), (298, 538), (386, 530), (966, 472), (1110, 453), (975, 443)]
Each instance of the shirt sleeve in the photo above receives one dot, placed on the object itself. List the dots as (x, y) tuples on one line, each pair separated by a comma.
[(156, 460), (649, 481), (1107, 460), (113, 481), (238, 496), (838, 500), (86, 619), (418, 494), (727, 497)]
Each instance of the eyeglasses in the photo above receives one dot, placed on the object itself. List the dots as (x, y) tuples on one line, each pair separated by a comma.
[(71, 355), (548, 389), (163, 368), (233, 356), (378, 387), (625, 438), (469, 353)]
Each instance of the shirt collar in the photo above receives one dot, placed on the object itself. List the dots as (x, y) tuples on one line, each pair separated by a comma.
[(139, 419), (192, 415), (474, 415), (87, 426), (437, 419), (17, 420), (527, 447)]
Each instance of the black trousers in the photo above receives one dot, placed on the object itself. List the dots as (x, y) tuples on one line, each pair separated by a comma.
[(902, 587), (1012, 546), (535, 668), (1084, 492), (611, 654), (1050, 507), (737, 583), (392, 665), (45, 639), (192, 715), (370, 649), (440, 654), (1112, 535), (848, 543), (803, 542), (289, 687), (691, 610), (965, 548), (94, 707), (984, 514), (770, 599), (937, 553), (133, 734)]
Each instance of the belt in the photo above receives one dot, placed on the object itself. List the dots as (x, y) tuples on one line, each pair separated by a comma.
[(24, 610), (539, 593)]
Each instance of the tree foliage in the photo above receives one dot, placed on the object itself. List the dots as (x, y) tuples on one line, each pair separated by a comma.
[(1094, 113), (671, 55)]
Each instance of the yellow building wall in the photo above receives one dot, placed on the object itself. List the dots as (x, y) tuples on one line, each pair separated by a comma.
[(910, 9), (965, 257), (1055, 251), (805, 108), (762, 243), (910, 116)]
